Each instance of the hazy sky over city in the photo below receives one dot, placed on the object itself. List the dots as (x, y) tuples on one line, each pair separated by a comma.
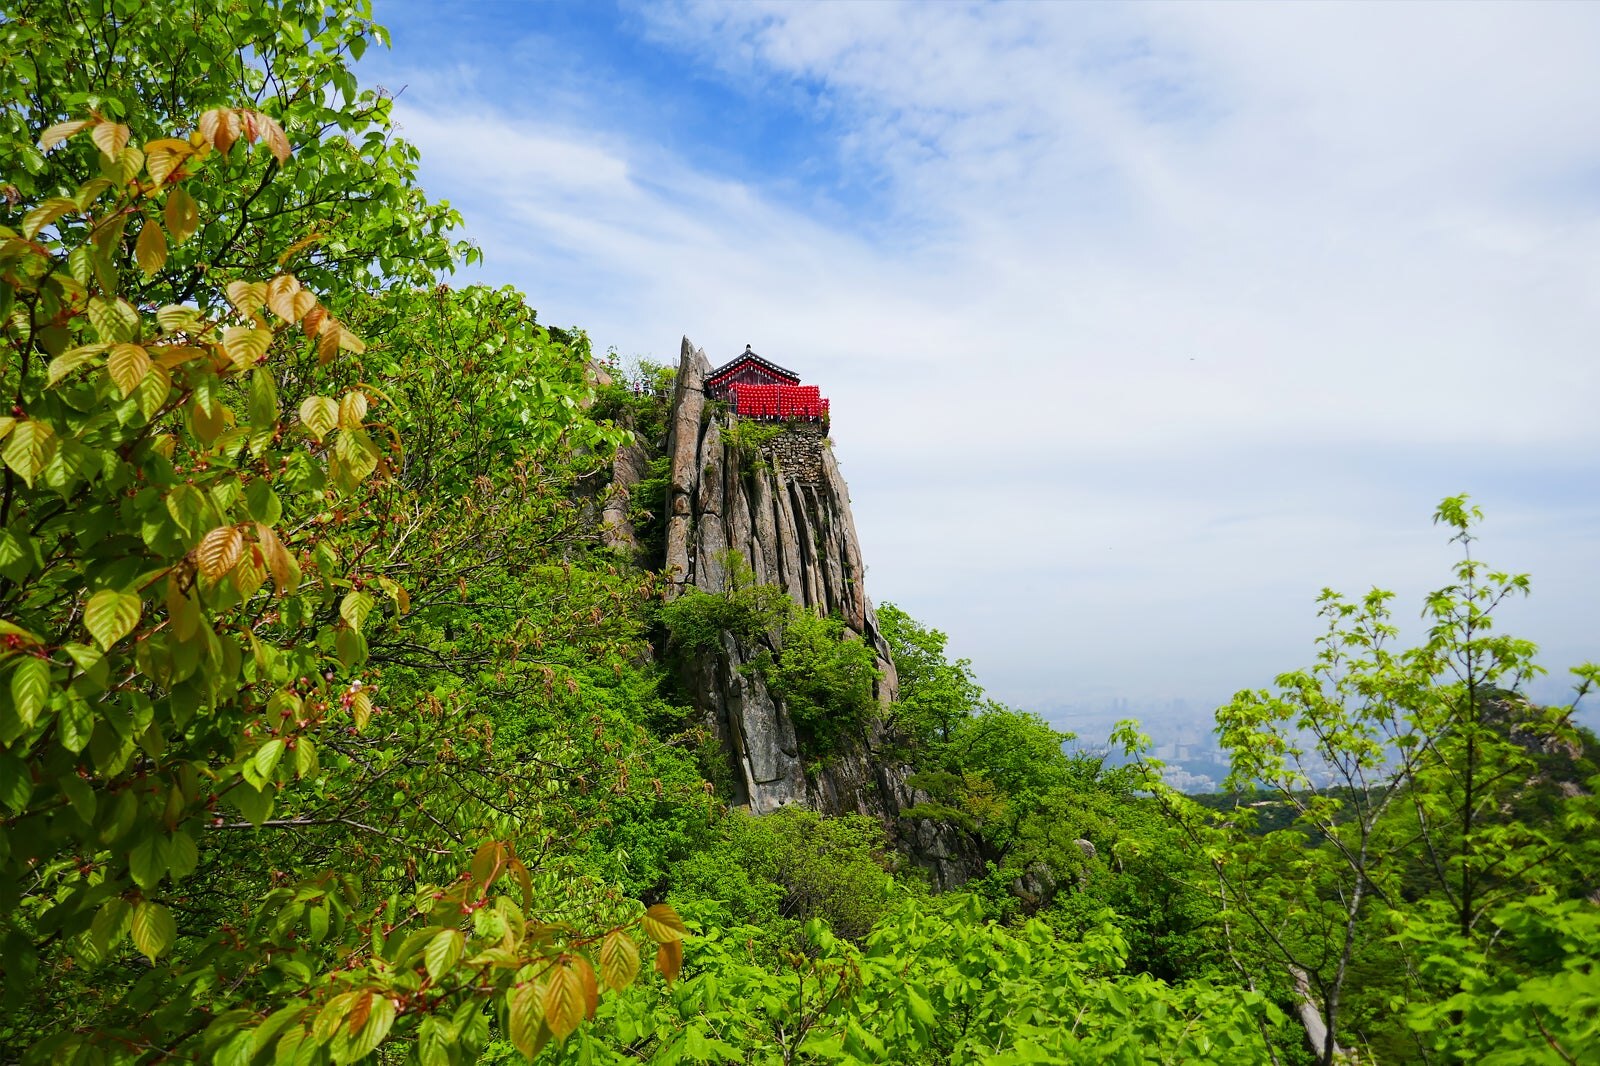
[(1141, 323)]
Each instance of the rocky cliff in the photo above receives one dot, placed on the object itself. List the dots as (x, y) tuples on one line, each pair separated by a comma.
[(786, 512)]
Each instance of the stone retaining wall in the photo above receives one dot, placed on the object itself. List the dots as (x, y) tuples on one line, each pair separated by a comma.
[(797, 451)]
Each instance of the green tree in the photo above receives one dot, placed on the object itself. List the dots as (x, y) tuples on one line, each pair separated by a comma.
[(936, 694), (190, 585), (348, 216), (1402, 768)]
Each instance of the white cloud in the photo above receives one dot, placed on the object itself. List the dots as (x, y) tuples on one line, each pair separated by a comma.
[(1176, 312)]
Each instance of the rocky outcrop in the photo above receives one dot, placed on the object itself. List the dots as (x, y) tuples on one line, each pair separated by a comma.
[(780, 503), (627, 470)]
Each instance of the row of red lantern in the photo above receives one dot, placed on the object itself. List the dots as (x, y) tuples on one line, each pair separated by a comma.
[(779, 401)]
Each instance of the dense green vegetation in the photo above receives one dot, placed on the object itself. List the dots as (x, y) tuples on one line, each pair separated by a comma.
[(329, 730)]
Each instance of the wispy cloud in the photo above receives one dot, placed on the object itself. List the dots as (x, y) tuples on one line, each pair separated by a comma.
[(1142, 323)]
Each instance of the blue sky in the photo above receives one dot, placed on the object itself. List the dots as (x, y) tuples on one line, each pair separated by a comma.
[(1142, 323)]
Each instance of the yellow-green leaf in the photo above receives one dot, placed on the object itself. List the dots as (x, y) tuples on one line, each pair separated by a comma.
[(247, 297), (59, 132), (662, 924), (246, 344), (281, 293), (355, 607), (175, 317), (330, 1019), (182, 214), (29, 449), (124, 167), (111, 615), (46, 213), (352, 410), (162, 157), (319, 414), (669, 959), (127, 364), (267, 756), (305, 758), (112, 137), (619, 960), (357, 455), (380, 1018), (30, 688), (153, 929), (154, 390), (115, 319), (150, 251), (70, 360), (529, 1033), (564, 1001), (219, 551)]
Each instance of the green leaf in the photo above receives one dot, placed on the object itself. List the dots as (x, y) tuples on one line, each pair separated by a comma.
[(111, 615), (30, 688), (153, 929), (236, 1052), (180, 854), (276, 1023), (443, 952), (263, 398), (16, 553), (110, 924), (254, 803), (351, 647), (267, 756), (76, 722), (16, 782), (261, 503), (79, 793), (146, 864)]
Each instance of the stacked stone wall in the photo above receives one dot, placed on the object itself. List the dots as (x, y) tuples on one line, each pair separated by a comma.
[(797, 451)]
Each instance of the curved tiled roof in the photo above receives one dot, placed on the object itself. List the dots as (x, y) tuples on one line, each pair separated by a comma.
[(747, 356)]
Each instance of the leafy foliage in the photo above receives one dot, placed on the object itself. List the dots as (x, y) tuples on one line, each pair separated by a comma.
[(822, 672), (1404, 770), (328, 731), (195, 590)]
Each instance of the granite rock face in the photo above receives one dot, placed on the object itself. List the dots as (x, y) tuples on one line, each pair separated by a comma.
[(786, 512)]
